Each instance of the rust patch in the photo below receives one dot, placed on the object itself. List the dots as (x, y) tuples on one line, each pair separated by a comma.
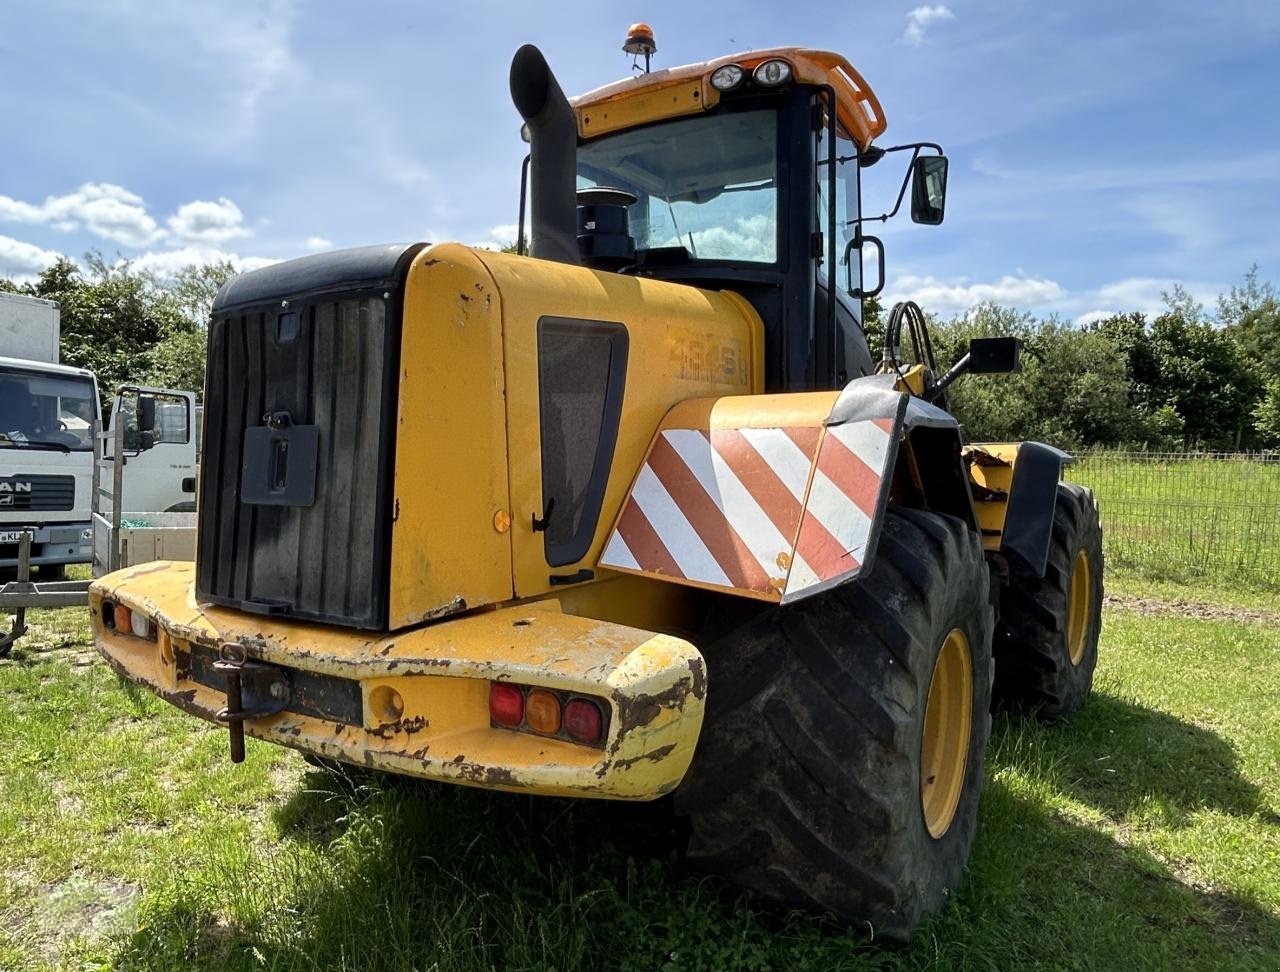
[(407, 726), (698, 669), (488, 775), (456, 606), (643, 709), (657, 755)]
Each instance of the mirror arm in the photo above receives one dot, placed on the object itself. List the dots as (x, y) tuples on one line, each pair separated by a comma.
[(916, 147), (954, 372)]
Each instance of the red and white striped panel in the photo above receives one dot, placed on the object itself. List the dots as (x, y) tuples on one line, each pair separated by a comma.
[(842, 505), (725, 508)]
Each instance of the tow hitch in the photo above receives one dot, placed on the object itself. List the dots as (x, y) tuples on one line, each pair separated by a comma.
[(254, 690)]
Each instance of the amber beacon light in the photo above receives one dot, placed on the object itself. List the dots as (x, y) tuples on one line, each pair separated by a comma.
[(640, 41)]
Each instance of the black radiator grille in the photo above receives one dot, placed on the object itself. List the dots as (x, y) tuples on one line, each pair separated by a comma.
[(38, 492), (328, 362)]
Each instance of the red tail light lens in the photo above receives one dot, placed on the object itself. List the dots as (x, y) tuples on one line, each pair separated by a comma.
[(582, 721), (123, 619), (506, 704)]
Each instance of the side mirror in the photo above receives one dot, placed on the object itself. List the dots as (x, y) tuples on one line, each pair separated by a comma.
[(986, 356), (928, 189), (995, 355), (146, 413)]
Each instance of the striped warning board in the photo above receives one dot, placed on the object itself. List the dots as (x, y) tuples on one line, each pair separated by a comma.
[(770, 512)]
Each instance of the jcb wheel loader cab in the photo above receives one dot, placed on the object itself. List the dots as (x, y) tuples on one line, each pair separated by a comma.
[(746, 181)]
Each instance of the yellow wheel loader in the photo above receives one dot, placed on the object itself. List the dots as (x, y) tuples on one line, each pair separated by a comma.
[(635, 513)]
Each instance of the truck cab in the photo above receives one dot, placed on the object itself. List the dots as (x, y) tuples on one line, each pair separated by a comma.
[(47, 416)]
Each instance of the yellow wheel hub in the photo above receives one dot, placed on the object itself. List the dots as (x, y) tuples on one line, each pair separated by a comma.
[(1079, 606), (948, 720)]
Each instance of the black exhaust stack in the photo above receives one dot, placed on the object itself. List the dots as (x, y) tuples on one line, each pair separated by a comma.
[(553, 146)]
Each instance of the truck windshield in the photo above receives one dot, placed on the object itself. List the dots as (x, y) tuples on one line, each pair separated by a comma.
[(707, 184), (45, 410)]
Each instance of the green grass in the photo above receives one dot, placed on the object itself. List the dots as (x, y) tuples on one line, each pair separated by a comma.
[(1145, 833), (1214, 521)]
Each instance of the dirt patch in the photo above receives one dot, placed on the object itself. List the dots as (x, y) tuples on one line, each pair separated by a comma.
[(50, 917), (1190, 609)]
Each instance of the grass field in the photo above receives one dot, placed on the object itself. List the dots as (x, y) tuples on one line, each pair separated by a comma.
[(1144, 834), (1214, 520)]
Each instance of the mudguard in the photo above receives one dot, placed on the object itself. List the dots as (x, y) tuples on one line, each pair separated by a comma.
[(775, 497), (1017, 492)]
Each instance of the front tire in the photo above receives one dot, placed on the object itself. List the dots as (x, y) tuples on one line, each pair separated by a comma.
[(842, 752), (1046, 643)]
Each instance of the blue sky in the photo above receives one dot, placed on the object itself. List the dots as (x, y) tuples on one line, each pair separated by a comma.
[(1100, 150)]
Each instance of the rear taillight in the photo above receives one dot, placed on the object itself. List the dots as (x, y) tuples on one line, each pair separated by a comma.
[(583, 721), (120, 619), (506, 704), (542, 712), (548, 712)]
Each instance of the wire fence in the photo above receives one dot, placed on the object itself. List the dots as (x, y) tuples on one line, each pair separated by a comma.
[(1188, 516)]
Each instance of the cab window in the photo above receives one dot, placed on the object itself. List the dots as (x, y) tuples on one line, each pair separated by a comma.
[(708, 185)]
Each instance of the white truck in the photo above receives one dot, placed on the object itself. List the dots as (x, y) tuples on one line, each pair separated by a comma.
[(48, 414)]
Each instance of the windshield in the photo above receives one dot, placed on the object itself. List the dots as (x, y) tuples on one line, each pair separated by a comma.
[(43, 410), (707, 184)]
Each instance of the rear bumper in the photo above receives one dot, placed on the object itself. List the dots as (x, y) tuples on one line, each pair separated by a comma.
[(651, 685)]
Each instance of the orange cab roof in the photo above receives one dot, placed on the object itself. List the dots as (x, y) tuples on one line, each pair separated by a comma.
[(687, 89)]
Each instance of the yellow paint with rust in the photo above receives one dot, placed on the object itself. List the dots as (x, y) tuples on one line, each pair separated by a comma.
[(451, 441), (677, 91), (654, 685), (468, 470), (997, 475), (683, 342)]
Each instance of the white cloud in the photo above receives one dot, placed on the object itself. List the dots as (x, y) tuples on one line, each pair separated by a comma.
[(202, 221), (104, 209), (955, 296), (1093, 316), (165, 263), (22, 260), (504, 231), (919, 19), (318, 243)]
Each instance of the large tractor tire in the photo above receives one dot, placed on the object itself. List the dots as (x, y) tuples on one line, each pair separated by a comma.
[(1046, 643), (842, 752)]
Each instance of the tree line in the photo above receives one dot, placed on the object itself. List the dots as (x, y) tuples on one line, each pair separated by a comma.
[(130, 326), (1187, 378)]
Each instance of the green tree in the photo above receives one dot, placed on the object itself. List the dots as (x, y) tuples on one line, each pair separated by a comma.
[(1203, 376), (112, 317), (1250, 316), (1072, 390), (1266, 415), (179, 358)]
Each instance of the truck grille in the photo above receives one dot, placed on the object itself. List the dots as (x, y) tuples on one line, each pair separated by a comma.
[(37, 492), (300, 410)]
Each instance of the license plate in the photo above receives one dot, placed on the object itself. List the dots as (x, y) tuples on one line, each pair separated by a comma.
[(11, 536)]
